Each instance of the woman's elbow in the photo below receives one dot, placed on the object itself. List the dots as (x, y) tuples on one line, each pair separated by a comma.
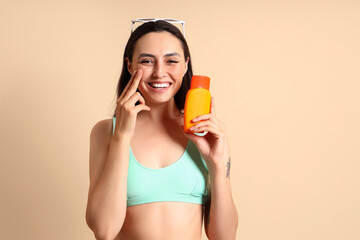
[(101, 231), (104, 237), (105, 234)]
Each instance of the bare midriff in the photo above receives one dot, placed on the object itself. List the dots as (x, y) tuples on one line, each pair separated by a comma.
[(162, 221)]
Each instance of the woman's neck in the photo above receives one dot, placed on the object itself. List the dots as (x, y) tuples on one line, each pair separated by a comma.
[(160, 112)]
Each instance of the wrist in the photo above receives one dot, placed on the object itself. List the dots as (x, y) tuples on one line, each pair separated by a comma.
[(217, 169)]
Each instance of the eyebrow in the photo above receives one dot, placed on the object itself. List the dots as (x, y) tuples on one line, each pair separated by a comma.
[(152, 56)]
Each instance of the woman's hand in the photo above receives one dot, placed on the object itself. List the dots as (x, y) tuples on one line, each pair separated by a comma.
[(212, 145), (126, 111)]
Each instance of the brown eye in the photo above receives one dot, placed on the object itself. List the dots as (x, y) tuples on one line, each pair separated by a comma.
[(145, 61)]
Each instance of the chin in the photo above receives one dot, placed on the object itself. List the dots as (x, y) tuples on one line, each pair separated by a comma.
[(159, 98)]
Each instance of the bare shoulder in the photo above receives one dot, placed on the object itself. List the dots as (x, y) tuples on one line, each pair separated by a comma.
[(100, 138), (102, 129)]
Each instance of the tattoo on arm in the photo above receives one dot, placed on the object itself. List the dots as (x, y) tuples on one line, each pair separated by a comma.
[(228, 165)]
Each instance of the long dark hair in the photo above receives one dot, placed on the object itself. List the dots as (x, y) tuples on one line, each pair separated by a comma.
[(157, 26)]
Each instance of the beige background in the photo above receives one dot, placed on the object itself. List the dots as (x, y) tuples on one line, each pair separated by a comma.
[(285, 77)]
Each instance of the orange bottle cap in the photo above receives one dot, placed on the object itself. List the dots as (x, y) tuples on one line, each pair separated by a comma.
[(198, 81)]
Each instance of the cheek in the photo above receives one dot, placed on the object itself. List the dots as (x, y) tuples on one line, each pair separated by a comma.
[(146, 71), (142, 87), (137, 67), (178, 75), (178, 71)]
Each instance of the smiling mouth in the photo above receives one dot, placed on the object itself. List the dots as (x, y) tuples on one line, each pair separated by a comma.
[(159, 85)]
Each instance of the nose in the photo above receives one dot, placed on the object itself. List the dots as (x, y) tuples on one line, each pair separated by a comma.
[(159, 70)]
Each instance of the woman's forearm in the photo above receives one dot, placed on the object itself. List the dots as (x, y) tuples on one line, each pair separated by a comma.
[(107, 202), (223, 217)]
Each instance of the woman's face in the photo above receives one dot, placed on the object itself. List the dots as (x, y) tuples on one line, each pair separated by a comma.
[(161, 57)]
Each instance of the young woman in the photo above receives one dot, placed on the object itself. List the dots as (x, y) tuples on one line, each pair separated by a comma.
[(148, 178)]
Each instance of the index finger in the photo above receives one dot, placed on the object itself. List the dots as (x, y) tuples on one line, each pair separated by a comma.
[(212, 108), (132, 85)]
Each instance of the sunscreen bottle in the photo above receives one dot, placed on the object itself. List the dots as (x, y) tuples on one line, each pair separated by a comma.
[(197, 102)]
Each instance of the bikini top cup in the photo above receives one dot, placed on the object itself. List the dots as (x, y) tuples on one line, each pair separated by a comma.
[(183, 181)]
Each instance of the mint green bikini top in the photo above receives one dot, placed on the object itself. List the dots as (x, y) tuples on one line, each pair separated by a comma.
[(183, 181)]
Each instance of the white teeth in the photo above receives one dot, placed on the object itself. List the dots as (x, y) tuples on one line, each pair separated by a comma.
[(159, 85)]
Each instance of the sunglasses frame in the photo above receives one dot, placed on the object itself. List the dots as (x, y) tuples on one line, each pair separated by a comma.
[(169, 20)]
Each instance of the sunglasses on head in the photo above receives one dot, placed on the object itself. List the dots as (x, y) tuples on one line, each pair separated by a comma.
[(169, 20)]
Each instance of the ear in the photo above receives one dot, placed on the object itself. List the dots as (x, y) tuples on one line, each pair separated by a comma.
[(129, 66), (186, 65)]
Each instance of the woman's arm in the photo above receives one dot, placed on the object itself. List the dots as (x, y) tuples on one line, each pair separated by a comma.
[(109, 162), (221, 218)]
